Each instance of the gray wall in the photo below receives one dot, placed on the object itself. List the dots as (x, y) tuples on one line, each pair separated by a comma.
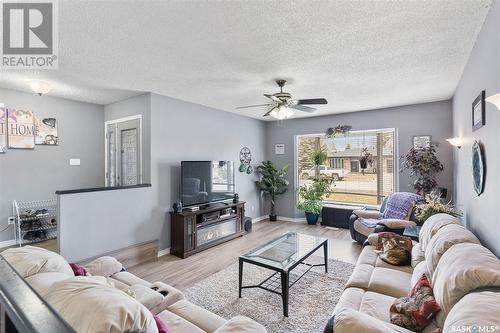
[(94, 223), (481, 73), (37, 174), (130, 107), (421, 119), (187, 131)]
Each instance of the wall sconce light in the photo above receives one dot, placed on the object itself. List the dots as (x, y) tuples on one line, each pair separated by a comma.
[(40, 87), (456, 142), (495, 100)]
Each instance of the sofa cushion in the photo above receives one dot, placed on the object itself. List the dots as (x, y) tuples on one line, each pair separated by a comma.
[(443, 239), (432, 225), (352, 321), (360, 277), (129, 279), (41, 282), (104, 266), (389, 282), (241, 324), (200, 317), (351, 298), (420, 269), (417, 255), (31, 260), (370, 256), (90, 304), (463, 268), (479, 309), (170, 296), (364, 226), (376, 305), (178, 324)]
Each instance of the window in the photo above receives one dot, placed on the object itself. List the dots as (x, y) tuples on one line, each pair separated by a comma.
[(357, 181)]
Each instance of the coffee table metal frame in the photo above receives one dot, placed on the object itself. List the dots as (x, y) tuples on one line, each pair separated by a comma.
[(284, 274)]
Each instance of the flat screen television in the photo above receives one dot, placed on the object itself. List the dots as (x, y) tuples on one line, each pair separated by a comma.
[(204, 182)]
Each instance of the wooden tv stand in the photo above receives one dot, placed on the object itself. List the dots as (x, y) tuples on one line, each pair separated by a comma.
[(195, 231)]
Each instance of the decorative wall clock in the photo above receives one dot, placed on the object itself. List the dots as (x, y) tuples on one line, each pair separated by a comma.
[(478, 167)]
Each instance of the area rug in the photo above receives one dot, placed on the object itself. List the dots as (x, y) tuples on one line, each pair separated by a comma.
[(312, 298)]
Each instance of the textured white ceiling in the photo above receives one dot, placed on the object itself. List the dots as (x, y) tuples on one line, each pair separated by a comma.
[(358, 54)]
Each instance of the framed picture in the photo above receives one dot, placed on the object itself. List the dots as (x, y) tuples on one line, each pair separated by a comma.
[(46, 131), (279, 149), (3, 129), (478, 112), (421, 141), (20, 129)]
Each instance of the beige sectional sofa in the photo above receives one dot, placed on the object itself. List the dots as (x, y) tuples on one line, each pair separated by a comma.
[(105, 308), (465, 277)]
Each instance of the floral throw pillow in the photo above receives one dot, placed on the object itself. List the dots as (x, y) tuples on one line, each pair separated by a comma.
[(415, 311)]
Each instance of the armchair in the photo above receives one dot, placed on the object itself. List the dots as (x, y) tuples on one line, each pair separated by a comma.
[(396, 212)]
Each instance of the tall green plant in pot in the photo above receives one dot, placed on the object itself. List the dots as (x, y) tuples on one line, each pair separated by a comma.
[(311, 197), (272, 182)]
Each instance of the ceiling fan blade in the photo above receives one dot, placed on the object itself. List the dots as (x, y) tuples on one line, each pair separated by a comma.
[(252, 106), (303, 108), (274, 98), (268, 113), (312, 101)]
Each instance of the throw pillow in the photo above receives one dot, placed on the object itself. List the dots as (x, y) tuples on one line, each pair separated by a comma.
[(162, 327), (396, 250), (78, 270), (415, 311)]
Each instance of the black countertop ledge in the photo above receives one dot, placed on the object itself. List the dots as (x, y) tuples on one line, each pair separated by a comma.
[(99, 189)]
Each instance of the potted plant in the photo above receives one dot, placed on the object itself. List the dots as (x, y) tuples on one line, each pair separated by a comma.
[(434, 205), (318, 156), (272, 183), (424, 165), (311, 198), (365, 159)]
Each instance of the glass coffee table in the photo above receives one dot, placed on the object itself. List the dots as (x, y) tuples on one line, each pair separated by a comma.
[(282, 255)]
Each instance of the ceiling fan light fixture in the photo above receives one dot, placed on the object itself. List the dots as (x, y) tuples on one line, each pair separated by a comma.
[(281, 112)]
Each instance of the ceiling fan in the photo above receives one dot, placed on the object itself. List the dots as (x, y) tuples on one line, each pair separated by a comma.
[(283, 103)]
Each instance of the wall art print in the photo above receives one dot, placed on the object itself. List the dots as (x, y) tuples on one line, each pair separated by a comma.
[(3, 129), (20, 129), (46, 131)]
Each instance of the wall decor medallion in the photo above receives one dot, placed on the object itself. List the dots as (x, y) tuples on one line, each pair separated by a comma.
[(3, 129), (46, 131), (20, 129), (478, 167), (421, 141), (245, 160), (479, 112)]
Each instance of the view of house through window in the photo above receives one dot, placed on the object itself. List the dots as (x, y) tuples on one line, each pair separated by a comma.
[(361, 163)]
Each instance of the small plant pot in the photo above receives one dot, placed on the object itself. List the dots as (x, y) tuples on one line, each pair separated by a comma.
[(363, 164), (273, 218), (312, 218)]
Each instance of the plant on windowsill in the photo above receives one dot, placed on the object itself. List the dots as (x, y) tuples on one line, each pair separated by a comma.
[(311, 197), (318, 156), (272, 182), (425, 166)]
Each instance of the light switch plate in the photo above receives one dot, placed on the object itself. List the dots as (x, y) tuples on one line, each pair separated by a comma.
[(74, 161)]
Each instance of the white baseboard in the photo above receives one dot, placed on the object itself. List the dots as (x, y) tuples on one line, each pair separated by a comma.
[(258, 219), (164, 252), (7, 243)]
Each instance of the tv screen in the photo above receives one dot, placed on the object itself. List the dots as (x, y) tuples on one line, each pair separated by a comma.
[(206, 181)]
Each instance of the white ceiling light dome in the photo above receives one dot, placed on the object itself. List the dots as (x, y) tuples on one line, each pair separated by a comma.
[(40, 87)]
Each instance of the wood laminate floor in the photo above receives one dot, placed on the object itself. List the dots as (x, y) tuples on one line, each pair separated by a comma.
[(184, 273)]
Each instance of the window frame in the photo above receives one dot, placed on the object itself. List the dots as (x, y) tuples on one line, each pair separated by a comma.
[(396, 166)]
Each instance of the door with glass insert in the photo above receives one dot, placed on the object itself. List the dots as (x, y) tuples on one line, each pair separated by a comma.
[(123, 153)]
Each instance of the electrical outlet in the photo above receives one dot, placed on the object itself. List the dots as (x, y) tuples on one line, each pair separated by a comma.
[(10, 220)]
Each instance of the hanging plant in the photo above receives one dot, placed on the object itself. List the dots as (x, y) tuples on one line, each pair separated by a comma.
[(333, 132), (425, 166), (366, 159)]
